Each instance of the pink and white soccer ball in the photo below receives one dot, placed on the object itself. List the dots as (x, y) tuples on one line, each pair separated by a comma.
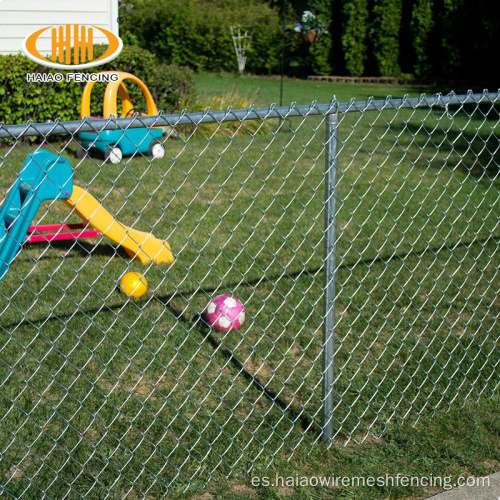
[(224, 313)]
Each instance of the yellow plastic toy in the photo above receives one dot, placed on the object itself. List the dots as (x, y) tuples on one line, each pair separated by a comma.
[(139, 245), (45, 176), (116, 143), (134, 284)]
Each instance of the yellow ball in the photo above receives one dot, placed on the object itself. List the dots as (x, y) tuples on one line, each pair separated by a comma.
[(134, 284)]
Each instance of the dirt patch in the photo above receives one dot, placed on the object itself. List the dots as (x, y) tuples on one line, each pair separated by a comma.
[(138, 384), (205, 496), (243, 490), (258, 368), (285, 491), (132, 494), (296, 349), (14, 473), (493, 465), (373, 441), (143, 389), (369, 440)]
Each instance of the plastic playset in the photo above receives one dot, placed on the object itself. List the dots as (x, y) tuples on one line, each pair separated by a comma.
[(47, 177), (114, 144)]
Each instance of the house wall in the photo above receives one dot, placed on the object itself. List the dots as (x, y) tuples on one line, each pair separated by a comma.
[(19, 18)]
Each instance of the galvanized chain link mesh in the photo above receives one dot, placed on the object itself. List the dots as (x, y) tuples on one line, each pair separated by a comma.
[(106, 396)]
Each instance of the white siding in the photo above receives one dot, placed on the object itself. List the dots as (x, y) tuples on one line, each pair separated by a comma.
[(20, 18)]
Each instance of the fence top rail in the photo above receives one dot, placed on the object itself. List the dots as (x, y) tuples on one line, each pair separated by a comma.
[(58, 127)]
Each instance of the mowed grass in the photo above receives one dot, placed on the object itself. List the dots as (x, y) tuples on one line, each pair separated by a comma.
[(101, 393), (265, 91)]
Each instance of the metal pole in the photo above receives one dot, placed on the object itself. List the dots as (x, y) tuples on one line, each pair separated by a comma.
[(283, 52), (331, 170)]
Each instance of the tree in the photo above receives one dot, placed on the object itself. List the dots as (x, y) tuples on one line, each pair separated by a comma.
[(384, 32), (355, 29), (422, 23)]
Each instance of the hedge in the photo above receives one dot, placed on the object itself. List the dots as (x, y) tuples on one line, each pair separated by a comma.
[(384, 33), (422, 23), (320, 52), (355, 17), (196, 34), (448, 39), (171, 86)]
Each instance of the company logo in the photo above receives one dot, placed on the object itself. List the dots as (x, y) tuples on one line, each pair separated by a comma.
[(83, 47)]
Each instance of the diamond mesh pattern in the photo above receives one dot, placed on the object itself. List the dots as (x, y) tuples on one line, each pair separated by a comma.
[(108, 396)]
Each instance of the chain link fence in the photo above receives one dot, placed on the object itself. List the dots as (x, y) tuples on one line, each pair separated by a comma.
[(362, 238)]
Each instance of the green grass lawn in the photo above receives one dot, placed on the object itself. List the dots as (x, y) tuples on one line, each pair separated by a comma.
[(462, 443), (265, 91), (101, 393)]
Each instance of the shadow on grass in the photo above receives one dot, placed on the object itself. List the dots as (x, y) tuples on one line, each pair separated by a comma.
[(198, 323), (166, 299), (82, 248), (475, 154)]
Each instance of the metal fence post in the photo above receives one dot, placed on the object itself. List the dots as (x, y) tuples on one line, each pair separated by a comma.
[(331, 167)]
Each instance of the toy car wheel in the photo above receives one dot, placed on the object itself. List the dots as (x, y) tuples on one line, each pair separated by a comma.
[(82, 153), (156, 149), (114, 155)]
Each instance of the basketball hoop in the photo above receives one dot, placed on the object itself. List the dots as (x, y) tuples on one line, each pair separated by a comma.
[(242, 36)]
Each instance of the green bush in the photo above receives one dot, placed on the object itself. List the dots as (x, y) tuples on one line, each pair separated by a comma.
[(385, 35), (355, 17), (171, 86), (196, 34), (422, 23), (20, 101), (320, 52)]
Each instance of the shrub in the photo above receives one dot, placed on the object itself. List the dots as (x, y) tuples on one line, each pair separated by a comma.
[(196, 34), (171, 86), (355, 16), (321, 52), (180, 91), (385, 35), (421, 26), (21, 101)]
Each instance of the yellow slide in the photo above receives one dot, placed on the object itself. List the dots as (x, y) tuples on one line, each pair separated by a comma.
[(138, 245)]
